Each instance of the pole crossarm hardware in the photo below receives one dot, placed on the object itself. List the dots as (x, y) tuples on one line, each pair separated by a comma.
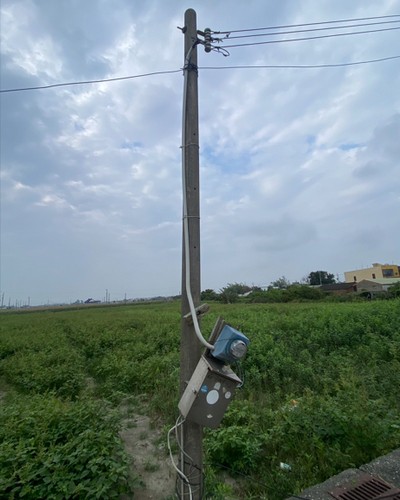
[(200, 311)]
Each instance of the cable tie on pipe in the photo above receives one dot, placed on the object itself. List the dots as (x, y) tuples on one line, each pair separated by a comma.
[(191, 67)]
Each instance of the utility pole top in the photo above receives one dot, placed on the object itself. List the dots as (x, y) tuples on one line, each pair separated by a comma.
[(190, 12)]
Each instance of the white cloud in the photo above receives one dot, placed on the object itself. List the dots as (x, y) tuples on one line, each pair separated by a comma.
[(298, 167), (36, 55)]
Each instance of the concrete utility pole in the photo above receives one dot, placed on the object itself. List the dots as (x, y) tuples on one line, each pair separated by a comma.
[(191, 433)]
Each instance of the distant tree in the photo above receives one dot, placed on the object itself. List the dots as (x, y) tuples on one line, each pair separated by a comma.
[(394, 290), (281, 283), (303, 292), (228, 296), (320, 278), (209, 294), (293, 293), (230, 293), (239, 288)]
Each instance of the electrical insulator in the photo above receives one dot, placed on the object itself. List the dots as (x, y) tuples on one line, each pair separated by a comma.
[(207, 40)]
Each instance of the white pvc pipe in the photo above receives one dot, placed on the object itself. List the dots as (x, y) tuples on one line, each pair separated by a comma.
[(185, 214)]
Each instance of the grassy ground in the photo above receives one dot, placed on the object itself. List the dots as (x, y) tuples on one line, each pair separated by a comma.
[(320, 394)]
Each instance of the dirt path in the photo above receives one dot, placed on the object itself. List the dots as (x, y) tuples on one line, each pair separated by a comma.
[(151, 461)]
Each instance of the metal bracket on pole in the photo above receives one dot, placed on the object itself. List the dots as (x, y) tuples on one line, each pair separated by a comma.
[(219, 325), (200, 311)]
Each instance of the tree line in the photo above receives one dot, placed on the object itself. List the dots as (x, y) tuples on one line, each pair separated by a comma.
[(282, 290)]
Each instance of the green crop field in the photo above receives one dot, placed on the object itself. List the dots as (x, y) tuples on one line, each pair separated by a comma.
[(321, 394)]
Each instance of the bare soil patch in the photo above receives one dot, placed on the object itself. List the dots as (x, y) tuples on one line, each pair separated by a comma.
[(151, 462)]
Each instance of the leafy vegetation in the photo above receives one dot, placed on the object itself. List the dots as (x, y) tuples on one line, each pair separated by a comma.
[(280, 283), (320, 393), (394, 291), (281, 290), (291, 293), (53, 449), (320, 278), (231, 292)]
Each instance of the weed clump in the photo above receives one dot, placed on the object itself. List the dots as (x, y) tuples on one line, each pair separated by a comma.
[(60, 449)]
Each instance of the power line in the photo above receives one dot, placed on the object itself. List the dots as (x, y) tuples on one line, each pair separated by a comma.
[(306, 24), (309, 38), (86, 82), (326, 28), (300, 66), (262, 66), (105, 80)]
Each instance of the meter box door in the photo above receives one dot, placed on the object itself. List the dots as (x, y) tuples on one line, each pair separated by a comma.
[(208, 393)]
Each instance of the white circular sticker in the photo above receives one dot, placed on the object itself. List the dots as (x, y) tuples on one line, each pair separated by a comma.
[(212, 397), (228, 395)]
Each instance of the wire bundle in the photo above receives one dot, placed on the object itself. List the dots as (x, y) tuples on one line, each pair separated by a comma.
[(185, 459), (219, 46), (333, 25)]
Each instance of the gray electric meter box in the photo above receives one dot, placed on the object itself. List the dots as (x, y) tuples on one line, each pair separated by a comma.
[(208, 393)]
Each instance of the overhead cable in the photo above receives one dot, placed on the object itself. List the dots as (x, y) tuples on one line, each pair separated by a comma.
[(307, 24), (261, 66), (86, 82), (300, 66), (308, 38), (326, 28)]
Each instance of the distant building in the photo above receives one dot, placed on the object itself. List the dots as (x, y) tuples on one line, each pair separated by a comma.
[(376, 272), (376, 285)]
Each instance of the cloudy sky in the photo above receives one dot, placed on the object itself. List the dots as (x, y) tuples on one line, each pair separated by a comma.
[(299, 167)]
